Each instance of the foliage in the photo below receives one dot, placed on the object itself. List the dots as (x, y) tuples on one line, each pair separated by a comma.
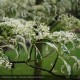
[(23, 26)]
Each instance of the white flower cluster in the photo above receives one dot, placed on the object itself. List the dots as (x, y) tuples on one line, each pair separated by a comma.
[(64, 36), (36, 31), (17, 23), (69, 21), (4, 62), (29, 29)]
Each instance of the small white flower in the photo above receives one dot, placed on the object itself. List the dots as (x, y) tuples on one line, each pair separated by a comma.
[(64, 36), (4, 62), (26, 28), (69, 21)]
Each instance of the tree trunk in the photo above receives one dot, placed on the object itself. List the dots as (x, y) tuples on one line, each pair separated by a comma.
[(39, 63)]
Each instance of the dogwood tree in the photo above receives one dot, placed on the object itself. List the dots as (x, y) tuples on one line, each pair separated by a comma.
[(22, 29)]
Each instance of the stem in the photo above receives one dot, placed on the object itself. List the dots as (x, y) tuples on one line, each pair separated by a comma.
[(55, 62), (39, 68), (45, 70)]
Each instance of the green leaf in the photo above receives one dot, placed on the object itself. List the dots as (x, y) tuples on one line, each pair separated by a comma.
[(38, 54), (78, 46), (20, 37), (68, 67), (65, 49), (47, 50), (12, 47), (77, 62), (52, 45), (24, 46), (30, 52)]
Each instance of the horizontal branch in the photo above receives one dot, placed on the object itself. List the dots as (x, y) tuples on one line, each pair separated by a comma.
[(46, 71), (18, 62), (41, 69)]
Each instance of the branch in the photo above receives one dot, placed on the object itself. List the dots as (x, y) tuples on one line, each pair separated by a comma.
[(41, 69), (18, 62), (45, 70), (55, 62), (48, 54)]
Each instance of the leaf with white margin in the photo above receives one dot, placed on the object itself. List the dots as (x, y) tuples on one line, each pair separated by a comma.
[(38, 54), (77, 61), (65, 49), (68, 67), (20, 37), (13, 48), (24, 46), (52, 45)]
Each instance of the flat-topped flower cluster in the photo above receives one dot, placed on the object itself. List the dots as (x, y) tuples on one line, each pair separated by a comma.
[(69, 21), (64, 36), (29, 29)]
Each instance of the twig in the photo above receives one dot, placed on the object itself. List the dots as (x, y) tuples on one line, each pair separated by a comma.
[(48, 54), (55, 62)]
